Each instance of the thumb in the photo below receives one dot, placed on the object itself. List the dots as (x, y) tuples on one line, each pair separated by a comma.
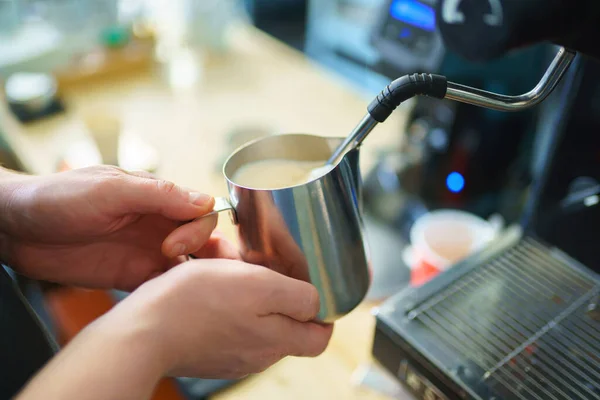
[(189, 238), (157, 196)]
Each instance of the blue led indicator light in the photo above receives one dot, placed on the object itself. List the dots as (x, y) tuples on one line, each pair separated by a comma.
[(455, 182), (414, 13)]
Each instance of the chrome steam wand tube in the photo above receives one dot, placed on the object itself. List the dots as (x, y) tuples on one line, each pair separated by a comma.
[(437, 86), (500, 102)]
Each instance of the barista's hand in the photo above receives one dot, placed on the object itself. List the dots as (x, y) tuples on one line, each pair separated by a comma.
[(204, 318), (103, 227), (222, 319)]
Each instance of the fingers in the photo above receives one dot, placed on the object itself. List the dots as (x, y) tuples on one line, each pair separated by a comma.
[(189, 238), (156, 196), (302, 339), (142, 174), (192, 237), (218, 247), (291, 297)]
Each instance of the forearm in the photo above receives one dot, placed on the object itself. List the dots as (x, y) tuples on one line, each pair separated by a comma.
[(108, 360), (10, 182)]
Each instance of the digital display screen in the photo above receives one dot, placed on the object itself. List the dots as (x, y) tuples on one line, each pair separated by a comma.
[(414, 13)]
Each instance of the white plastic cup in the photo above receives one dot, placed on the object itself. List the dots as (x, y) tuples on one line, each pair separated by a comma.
[(441, 238)]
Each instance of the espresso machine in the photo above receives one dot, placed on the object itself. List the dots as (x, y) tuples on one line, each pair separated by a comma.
[(453, 155), (521, 318)]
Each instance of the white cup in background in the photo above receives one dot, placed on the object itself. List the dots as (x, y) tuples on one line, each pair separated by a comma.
[(441, 238)]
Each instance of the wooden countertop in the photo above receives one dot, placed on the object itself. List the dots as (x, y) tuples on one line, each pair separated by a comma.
[(259, 82)]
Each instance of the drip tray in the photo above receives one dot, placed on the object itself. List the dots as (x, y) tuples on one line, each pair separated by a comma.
[(518, 321)]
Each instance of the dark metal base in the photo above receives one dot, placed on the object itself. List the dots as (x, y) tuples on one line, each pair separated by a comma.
[(513, 322)]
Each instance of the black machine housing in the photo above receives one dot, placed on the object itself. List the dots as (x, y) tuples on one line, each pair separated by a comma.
[(461, 156), (562, 213)]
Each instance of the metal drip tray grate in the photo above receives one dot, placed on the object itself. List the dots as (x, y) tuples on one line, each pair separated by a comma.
[(527, 319)]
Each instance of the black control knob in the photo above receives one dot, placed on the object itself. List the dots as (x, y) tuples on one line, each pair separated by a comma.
[(480, 30)]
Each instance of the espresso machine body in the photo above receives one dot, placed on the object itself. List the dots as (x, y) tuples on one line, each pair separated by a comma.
[(454, 155), (564, 208), (520, 319)]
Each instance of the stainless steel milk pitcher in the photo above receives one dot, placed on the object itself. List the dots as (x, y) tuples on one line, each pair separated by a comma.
[(312, 231)]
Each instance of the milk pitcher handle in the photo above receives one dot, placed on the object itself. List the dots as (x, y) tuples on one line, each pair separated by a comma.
[(222, 204)]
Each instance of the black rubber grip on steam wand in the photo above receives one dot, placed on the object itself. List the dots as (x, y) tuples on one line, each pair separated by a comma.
[(404, 88)]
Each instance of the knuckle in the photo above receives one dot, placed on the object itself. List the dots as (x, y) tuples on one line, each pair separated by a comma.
[(113, 169), (143, 174), (165, 187), (107, 179), (107, 171), (309, 301)]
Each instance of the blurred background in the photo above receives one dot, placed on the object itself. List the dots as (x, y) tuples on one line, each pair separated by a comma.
[(172, 87)]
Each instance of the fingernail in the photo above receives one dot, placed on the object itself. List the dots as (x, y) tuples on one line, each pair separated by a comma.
[(199, 199), (180, 249)]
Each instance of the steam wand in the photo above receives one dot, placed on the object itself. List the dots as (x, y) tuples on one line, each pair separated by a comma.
[(437, 86)]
